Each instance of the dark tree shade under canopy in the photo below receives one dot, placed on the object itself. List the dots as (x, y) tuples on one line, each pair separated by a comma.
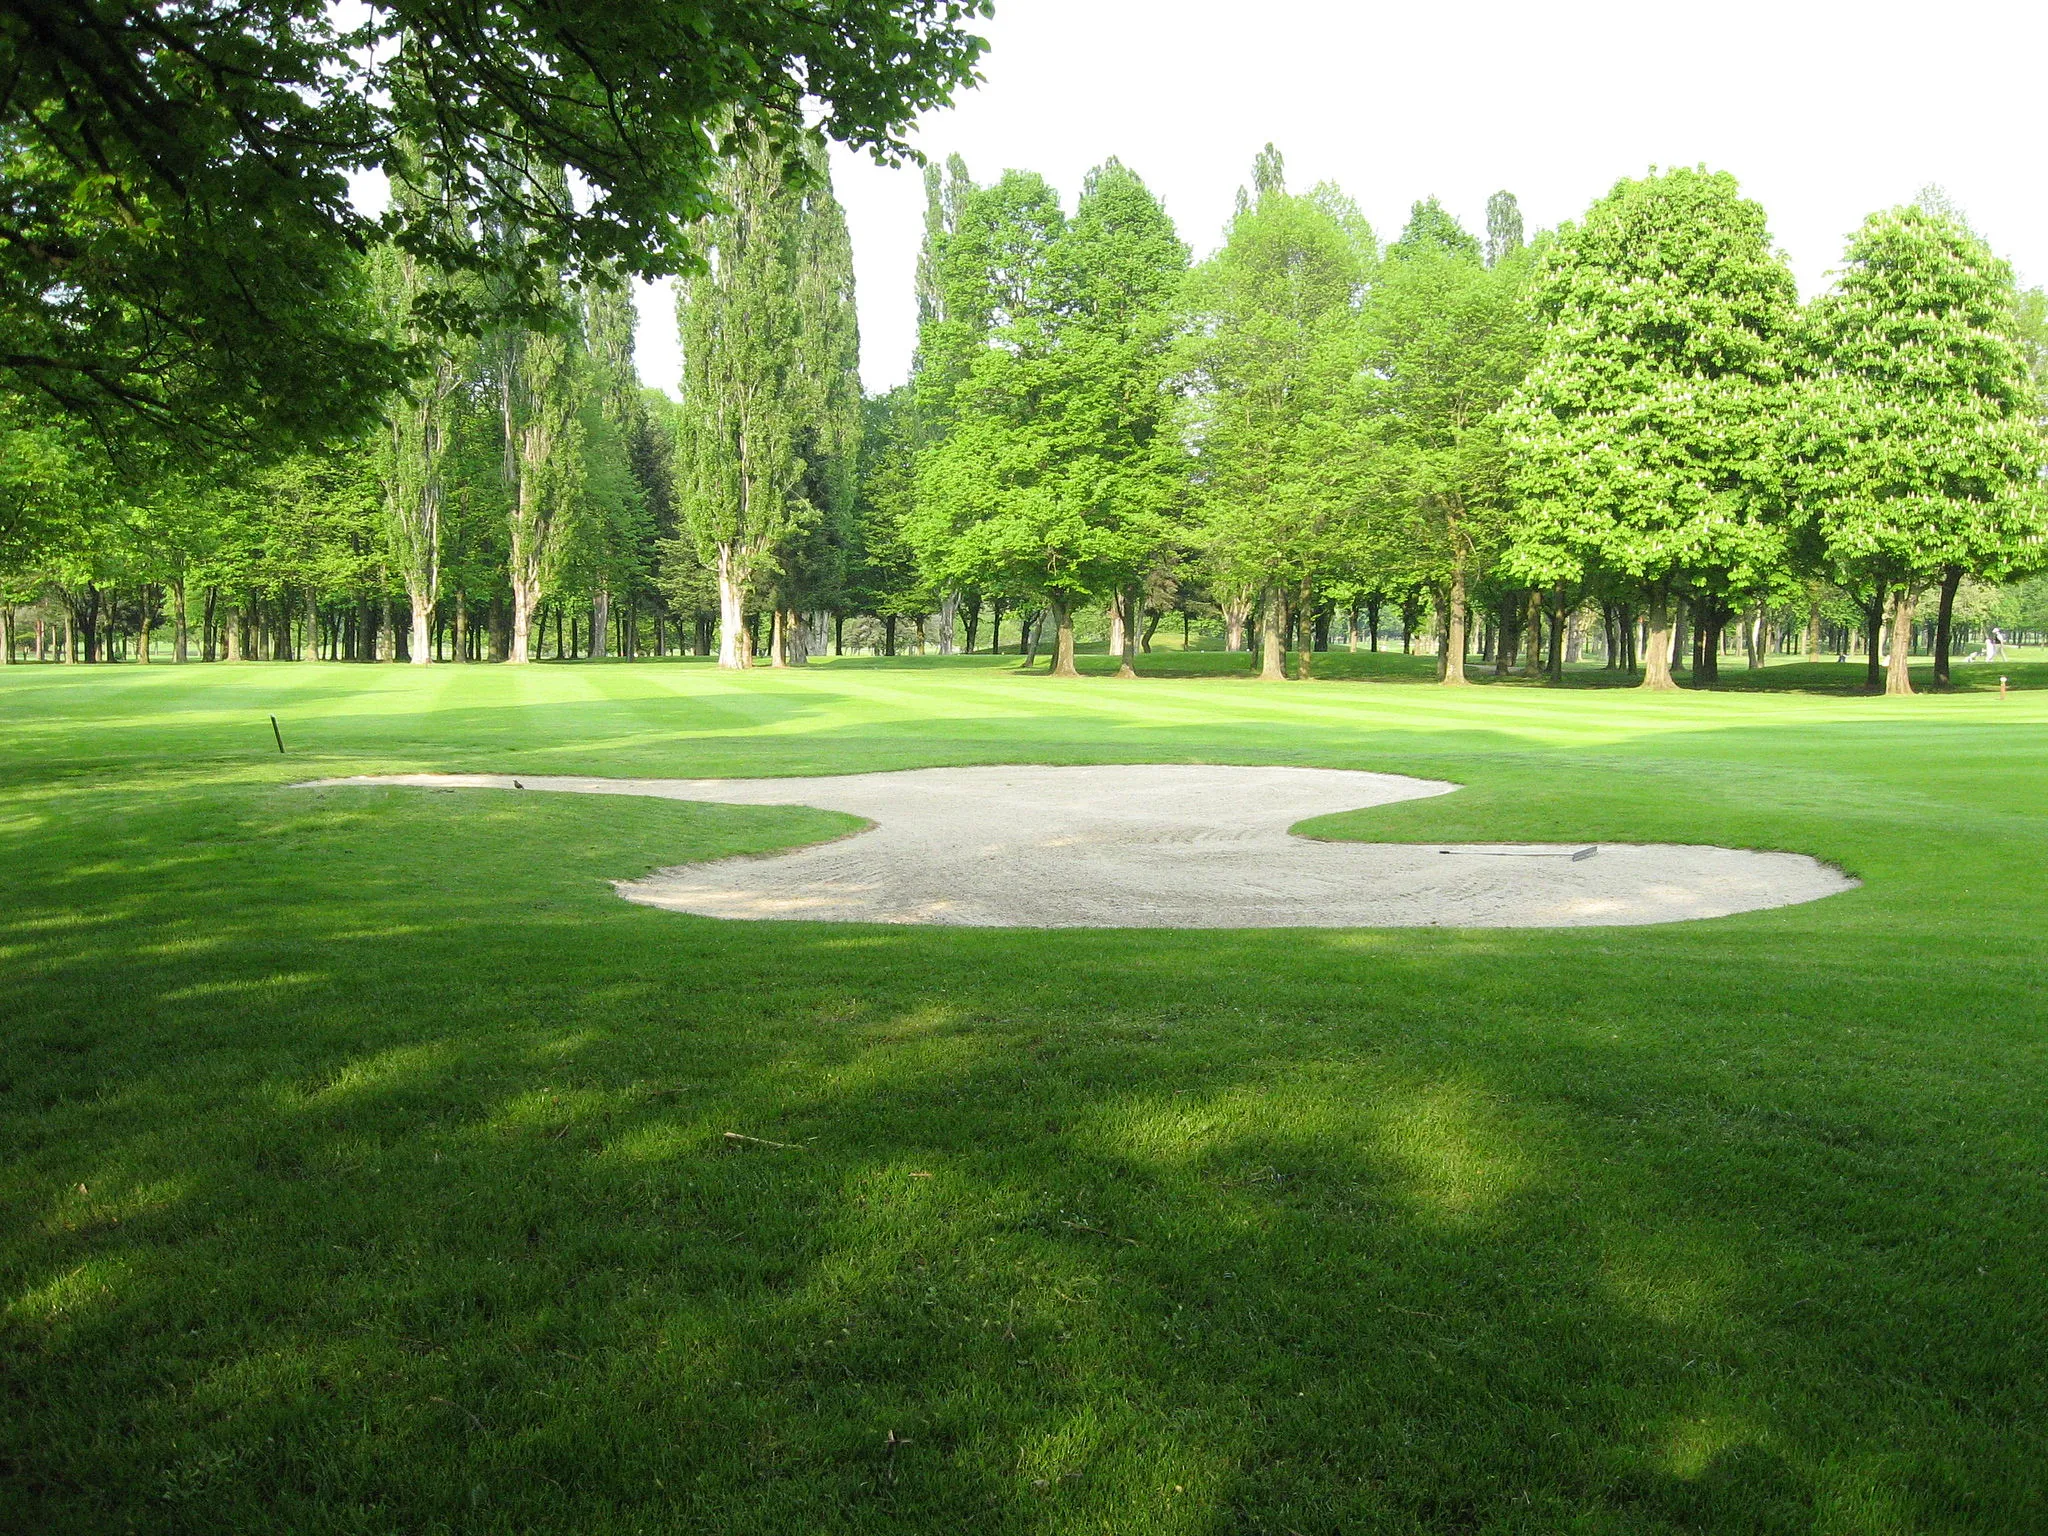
[(177, 245)]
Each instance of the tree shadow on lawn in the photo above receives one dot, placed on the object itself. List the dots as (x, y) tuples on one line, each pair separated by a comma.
[(368, 1169)]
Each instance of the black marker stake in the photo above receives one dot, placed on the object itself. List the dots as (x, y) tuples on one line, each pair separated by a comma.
[(278, 734)]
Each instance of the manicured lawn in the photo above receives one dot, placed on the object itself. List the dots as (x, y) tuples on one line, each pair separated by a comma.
[(365, 1165)]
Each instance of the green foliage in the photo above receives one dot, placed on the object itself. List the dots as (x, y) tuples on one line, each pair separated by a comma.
[(1431, 227), (882, 575), (1272, 343), (1418, 446), (1058, 475), (767, 446), (1915, 444), (181, 261), (1643, 439), (48, 493)]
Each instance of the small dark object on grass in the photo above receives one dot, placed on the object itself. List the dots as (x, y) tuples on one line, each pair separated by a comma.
[(278, 734), (517, 785)]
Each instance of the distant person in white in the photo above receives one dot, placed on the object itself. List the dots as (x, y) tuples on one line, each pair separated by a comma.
[(1994, 644)]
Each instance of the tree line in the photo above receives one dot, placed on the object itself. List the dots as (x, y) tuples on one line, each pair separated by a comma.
[(1630, 427)]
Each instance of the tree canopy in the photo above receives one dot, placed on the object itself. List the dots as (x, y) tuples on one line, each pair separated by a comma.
[(180, 257), (1643, 438)]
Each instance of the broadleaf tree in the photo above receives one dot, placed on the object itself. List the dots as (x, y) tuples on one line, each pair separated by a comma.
[(1643, 441), (1915, 445)]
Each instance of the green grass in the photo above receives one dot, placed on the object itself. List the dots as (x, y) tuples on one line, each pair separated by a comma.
[(365, 1169)]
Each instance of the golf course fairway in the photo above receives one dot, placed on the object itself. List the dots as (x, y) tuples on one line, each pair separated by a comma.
[(369, 1166)]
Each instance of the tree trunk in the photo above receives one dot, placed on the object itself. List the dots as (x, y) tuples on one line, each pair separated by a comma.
[(600, 624), (1944, 622), (1873, 625), (312, 650), (1681, 634), (1813, 631), (181, 628), (1273, 639), (1554, 665), (1657, 647), (889, 635), (460, 650), (421, 652), (1236, 611), (1707, 638), (778, 637), (735, 640), (1304, 606), (1898, 678), (1063, 637), (525, 609), (948, 606), (1532, 640), (1128, 603), (1451, 654), (1372, 620)]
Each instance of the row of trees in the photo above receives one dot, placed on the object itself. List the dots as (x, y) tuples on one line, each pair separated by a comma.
[(1634, 413), (215, 368)]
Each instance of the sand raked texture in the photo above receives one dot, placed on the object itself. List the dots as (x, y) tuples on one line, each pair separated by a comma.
[(1159, 846)]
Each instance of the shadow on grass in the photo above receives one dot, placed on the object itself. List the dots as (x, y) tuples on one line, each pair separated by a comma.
[(368, 1168)]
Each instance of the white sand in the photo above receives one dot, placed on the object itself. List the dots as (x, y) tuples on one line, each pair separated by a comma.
[(1166, 847)]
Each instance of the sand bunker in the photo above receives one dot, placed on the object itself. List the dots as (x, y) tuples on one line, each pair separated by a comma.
[(1167, 847)]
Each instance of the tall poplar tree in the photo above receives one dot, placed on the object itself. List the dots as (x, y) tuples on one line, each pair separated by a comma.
[(949, 335), (541, 378), (812, 565), (1643, 439), (739, 473), (610, 533), (1914, 446), (407, 287), (1504, 234)]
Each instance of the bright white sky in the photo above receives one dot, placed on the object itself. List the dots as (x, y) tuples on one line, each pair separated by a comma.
[(1825, 110)]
